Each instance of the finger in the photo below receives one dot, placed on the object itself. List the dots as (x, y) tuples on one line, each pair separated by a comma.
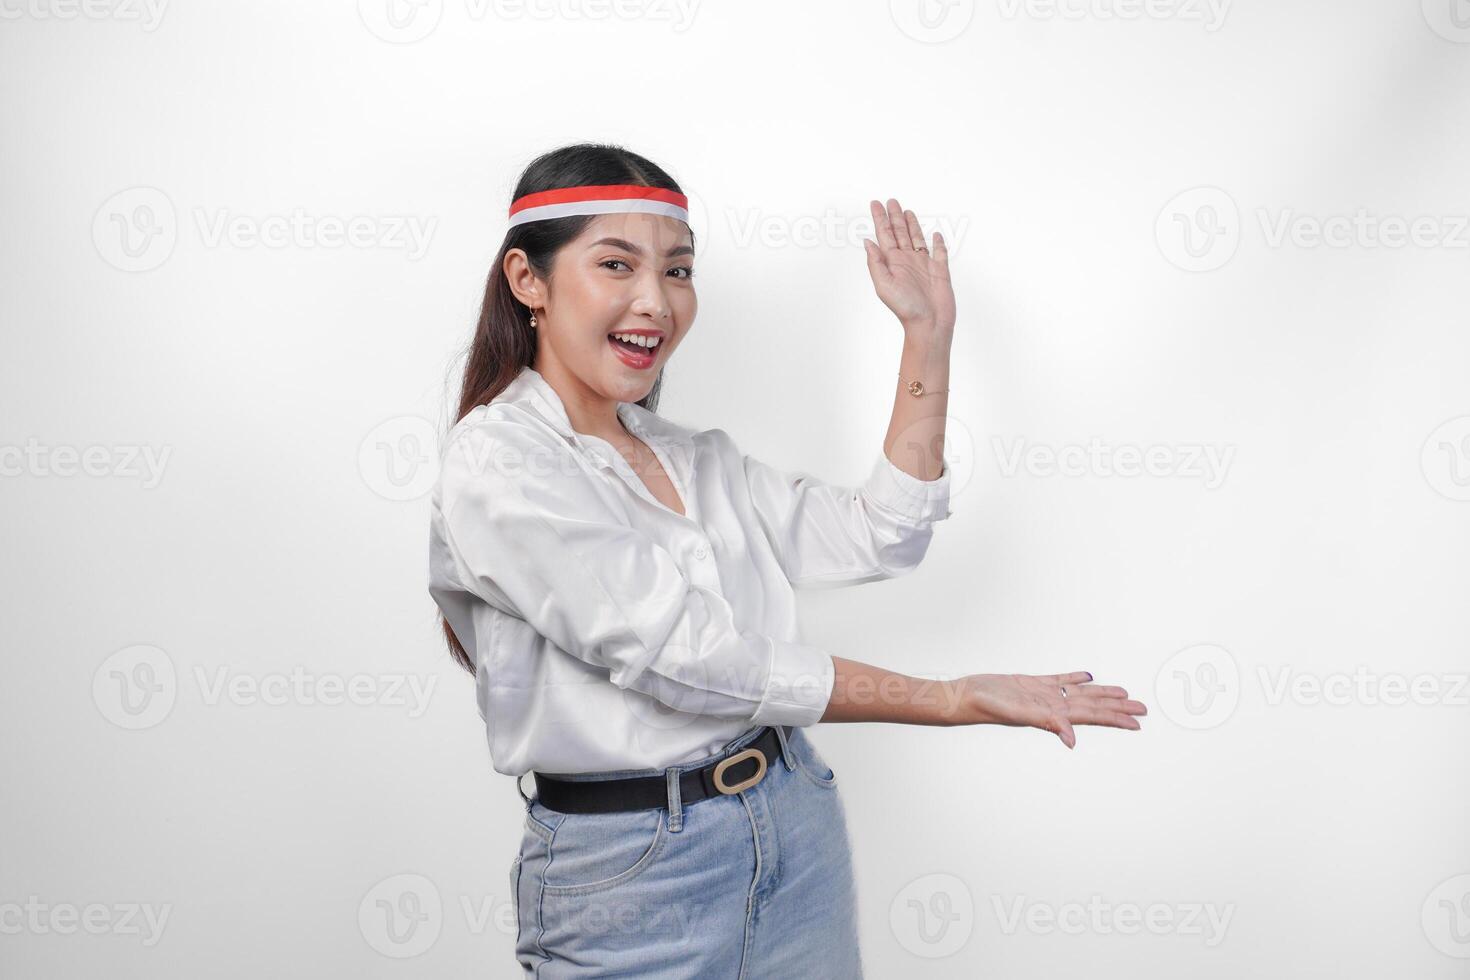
[(941, 250), (882, 227), (1066, 734), (1097, 690), (1084, 714), (898, 223), (1074, 678), (877, 268), (916, 234)]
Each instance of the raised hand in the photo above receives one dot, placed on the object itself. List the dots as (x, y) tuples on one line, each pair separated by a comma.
[(910, 278)]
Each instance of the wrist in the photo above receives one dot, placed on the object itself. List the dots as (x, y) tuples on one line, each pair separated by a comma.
[(926, 329)]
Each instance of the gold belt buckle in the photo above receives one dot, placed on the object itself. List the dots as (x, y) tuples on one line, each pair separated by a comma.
[(719, 775)]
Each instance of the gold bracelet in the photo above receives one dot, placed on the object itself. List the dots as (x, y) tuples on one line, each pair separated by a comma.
[(916, 388)]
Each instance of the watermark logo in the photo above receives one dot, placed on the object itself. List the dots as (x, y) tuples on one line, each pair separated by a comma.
[(35, 459), (1445, 917), (400, 21), (136, 230), (1364, 686), (38, 918), (1198, 687), (1098, 917), (401, 916), (932, 21), (136, 687), (408, 21), (919, 441), (753, 227), (1445, 459), (399, 459), (1210, 13), (933, 916), (299, 687), (1199, 229), (147, 14), (1450, 19), (1206, 463), (1362, 229)]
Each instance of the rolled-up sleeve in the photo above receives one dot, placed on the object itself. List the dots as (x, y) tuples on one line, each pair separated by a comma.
[(828, 535), (531, 535)]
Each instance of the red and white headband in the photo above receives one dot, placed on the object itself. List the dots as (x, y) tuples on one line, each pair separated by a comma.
[(599, 199)]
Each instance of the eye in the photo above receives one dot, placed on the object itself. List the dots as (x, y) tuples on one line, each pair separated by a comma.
[(608, 262), (686, 269)]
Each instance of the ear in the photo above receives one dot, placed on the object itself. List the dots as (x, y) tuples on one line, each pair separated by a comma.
[(522, 279)]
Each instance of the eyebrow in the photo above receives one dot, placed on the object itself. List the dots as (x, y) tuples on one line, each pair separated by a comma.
[(627, 246)]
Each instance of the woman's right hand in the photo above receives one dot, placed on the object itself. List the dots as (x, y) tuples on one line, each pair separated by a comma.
[(1037, 701)]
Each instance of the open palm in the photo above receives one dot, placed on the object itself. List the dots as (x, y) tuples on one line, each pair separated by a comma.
[(910, 278)]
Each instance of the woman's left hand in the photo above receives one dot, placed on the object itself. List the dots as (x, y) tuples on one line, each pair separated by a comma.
[(911, 280)]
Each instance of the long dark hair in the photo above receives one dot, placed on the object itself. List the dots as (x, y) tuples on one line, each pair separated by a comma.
[(504, 340)]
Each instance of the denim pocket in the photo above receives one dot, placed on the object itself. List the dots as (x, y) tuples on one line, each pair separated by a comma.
[(809, 760), (590, 852)]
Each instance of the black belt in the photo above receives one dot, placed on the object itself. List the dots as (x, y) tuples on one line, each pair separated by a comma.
[(735, 771)]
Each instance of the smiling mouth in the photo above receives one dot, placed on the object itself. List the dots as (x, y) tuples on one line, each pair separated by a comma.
[(629, 345)]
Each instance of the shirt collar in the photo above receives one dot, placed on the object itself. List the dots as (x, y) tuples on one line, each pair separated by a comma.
[(531, 386)]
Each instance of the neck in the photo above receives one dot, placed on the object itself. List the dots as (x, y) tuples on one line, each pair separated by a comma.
[(590, 413)]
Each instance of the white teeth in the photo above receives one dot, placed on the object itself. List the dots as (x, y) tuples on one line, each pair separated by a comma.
[(641, 341)]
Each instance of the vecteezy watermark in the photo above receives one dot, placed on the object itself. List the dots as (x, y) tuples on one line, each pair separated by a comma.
[(147, 14), (1210, 13), (1450, 19), (37, 918), (1445, 917), (399, 459), (933, 916), (1445, 459), (932, 21), (136, 230), (1204, 462), (408, 21), (1200, 230), (137, 687), (300, 687), (125, 462), (1363, 229), (404, 915), (1363, 686), (401, 916), (1198, 687), (1205, 920), (831, 229), (405, 233)]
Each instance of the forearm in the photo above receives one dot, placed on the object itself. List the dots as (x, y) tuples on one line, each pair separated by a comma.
[(915, 439), (862, 692)]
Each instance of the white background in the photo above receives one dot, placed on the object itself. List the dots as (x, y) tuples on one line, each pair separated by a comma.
[(296, 388)]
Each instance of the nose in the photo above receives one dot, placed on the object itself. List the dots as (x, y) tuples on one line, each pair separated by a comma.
[(650, 300)]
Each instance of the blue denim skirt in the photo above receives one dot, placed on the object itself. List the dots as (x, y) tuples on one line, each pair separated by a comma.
[(756, 884)]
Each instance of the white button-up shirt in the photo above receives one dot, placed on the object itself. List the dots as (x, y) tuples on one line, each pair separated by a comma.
[(608, 631)]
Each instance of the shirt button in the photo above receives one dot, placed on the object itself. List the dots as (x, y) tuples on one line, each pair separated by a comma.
[(701, 552)]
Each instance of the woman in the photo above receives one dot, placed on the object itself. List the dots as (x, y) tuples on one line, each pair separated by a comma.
[(622, 589)]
